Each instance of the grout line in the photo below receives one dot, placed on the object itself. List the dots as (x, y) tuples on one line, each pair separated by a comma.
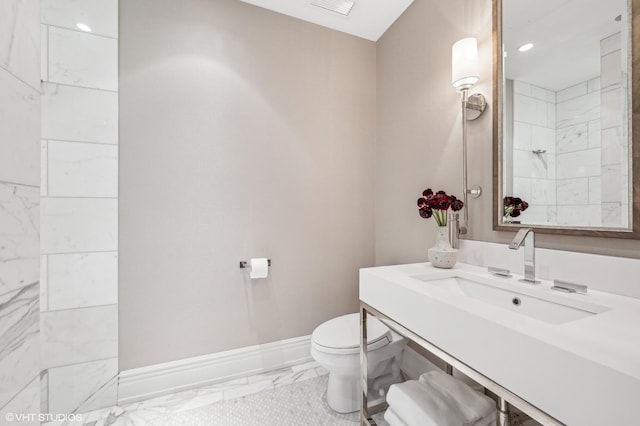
[(95, 143), (48, 285), (48, 53), (37, 90), (82, 87), (619, 126), (36, 377), (80, 31), (47, 391), (80, 252), (18, 184), (76, 197), (83, 362), (47, 166), (92, 143), (575, 178), (80, 308)]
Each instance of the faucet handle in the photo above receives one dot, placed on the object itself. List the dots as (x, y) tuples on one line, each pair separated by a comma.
[(569, 287), (499, 272), (519, 238)]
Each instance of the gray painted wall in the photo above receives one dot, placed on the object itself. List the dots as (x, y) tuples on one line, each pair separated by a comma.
[(243, 133), (247, 133)]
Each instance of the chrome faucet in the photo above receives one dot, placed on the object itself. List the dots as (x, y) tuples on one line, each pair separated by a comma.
[(527, 237), (454, 230)]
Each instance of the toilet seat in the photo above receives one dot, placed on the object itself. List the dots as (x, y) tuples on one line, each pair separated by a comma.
[(341, 335)]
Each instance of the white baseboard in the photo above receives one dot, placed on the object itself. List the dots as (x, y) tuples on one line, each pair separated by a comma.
[(155, 380)]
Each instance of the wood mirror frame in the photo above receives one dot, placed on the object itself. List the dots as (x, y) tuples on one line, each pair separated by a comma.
[(498, 88)]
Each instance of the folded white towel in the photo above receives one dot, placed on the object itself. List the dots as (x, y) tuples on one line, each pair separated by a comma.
[(438, 399), (472, 405), (419, 405), (393, 419), (489, 420)]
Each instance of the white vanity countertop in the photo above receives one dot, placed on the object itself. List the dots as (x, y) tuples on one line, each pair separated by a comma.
[(609, 339)]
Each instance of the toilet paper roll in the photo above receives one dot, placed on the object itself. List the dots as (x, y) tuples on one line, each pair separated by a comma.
[(259, 268)]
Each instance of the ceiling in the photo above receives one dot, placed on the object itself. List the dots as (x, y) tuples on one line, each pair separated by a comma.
[(368, 19), (566, 35)]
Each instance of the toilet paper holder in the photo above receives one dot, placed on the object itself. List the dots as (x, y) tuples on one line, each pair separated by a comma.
[(245, 264)]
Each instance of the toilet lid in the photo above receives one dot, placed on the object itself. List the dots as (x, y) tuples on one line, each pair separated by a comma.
[(344, 333)]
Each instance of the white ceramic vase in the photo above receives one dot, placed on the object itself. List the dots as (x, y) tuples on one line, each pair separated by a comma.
[(442, 255)]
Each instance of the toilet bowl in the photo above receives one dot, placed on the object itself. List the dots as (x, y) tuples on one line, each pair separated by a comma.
[(335, 345)]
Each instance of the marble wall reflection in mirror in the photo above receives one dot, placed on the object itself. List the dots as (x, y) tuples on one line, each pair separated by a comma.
[(565, 145)]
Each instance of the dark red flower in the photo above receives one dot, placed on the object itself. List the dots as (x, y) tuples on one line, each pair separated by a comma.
[(514, 206), (443, 202), (426, 212), (432, 201), (457, 205), (436, 204)]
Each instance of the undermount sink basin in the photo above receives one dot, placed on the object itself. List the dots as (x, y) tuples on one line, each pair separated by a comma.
[(549, 311)]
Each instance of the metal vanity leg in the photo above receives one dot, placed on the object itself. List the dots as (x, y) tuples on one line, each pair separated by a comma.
[(365, 418), (503, 412)]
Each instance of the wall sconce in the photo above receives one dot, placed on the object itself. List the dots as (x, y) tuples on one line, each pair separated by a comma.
[(464, 74), (464, 63)]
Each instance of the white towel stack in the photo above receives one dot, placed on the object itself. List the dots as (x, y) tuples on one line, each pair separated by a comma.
[(437, 399)]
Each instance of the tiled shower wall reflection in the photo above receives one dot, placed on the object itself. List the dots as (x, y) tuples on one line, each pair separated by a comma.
[(581, 178), (534, 150), (615, 148), (578, 160), (19, 207), (79, 311)]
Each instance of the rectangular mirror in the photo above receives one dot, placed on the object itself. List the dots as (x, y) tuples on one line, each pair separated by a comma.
[(564, 75)]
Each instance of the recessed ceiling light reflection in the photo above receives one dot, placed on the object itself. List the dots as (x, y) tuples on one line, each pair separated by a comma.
[(84, 27), (525, 47)]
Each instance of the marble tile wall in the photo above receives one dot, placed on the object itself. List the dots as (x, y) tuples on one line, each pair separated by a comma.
[(614, 155), (534, 111), (578, 139), (79, 189), (19, 207)]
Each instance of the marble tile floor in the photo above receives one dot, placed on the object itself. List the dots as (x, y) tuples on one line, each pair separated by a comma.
[(293, 396), (299, 404)]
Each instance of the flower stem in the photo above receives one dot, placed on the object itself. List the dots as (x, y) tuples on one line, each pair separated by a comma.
[(441, 217)]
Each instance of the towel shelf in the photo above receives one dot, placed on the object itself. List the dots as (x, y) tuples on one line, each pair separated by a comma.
[(505, 396)]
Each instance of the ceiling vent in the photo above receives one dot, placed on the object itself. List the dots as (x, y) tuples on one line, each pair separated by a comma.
[(343, 7)]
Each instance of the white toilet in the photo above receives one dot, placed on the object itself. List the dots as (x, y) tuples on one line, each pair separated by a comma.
[(336, 346)]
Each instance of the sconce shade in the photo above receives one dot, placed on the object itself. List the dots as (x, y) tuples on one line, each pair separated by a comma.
[(464, 63)]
